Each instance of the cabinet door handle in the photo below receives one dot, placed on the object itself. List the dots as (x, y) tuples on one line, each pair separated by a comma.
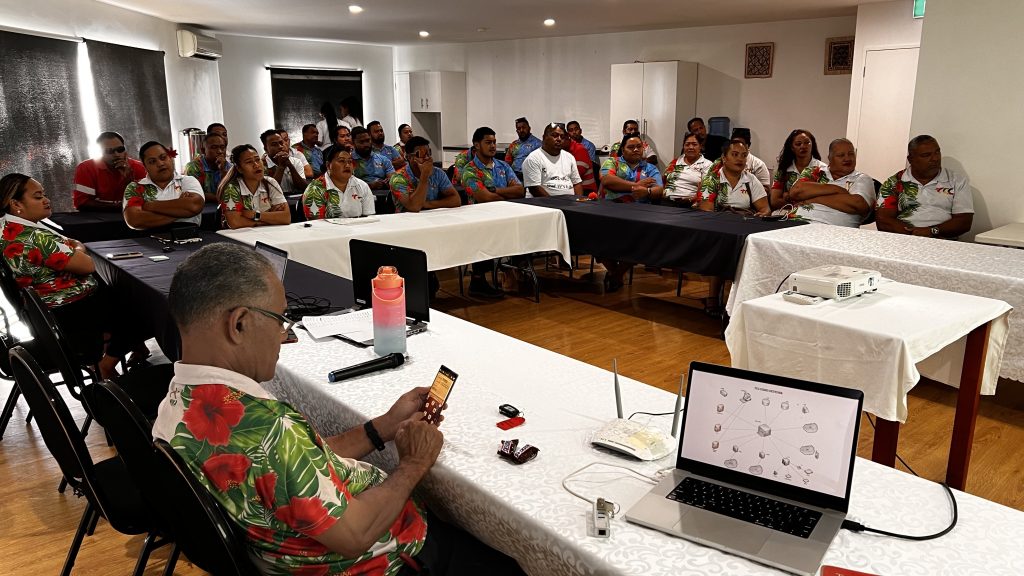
[(428, 102)]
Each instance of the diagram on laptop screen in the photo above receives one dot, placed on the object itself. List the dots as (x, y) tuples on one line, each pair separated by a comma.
[(782, 434)]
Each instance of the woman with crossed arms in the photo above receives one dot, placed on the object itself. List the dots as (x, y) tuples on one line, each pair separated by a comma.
[(337, 194), (247, 196)]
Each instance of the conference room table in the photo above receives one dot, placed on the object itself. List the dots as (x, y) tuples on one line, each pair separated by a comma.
[(1009, 235), (524, 511), (141, 285), (964, 267), (93, 226), (450, 237), (702, 242)]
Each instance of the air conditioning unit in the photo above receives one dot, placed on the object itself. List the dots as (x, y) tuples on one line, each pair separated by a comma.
[(194, 45)]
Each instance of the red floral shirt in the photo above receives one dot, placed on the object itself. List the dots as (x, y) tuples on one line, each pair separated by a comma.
[(37, 257), (274, 474)]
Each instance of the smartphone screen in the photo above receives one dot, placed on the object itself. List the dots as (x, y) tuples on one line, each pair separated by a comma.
[(439, 392)]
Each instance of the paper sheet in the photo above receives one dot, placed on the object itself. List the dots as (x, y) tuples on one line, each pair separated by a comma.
[(356, 325)]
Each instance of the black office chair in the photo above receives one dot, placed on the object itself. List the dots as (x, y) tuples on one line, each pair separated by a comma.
[(870, 218), (201, 527), (106, 485)]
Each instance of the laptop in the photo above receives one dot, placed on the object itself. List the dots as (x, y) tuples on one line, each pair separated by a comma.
[(366, 258), (278, 258), (763, 468)]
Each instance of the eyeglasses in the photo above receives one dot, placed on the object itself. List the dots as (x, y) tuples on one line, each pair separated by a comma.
[(118, 150), (286, 323)]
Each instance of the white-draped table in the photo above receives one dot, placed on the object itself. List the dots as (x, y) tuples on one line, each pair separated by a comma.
[(523, 510), (875, 343), (964, 267), (1008, 235), (450, 237)]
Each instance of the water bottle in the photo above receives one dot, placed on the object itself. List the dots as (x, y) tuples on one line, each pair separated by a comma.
[(388, 311)]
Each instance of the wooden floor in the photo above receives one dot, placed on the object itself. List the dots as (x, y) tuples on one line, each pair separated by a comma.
[(652, 333)]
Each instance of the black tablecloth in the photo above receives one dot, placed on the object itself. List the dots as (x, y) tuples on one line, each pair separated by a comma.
[(140, 286), (696, 241), (97, 226)]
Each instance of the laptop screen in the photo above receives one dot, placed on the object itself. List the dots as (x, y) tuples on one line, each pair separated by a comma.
[(368, 257), (791, 433), (278, 258)]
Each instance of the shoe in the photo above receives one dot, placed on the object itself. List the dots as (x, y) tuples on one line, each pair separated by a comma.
[(480, 288), (612, 283)]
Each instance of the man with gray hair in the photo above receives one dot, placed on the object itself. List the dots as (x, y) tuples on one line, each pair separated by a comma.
[(836, 194), (305, 502), (925, 199)]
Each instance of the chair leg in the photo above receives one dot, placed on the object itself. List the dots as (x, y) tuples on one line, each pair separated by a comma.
[(77, 542), (28, 417), (462, 271), (172, 560), (12, 401), (679, 284), (63, 485), (92, 525), (86, 424), (631, 274), (147, 546)]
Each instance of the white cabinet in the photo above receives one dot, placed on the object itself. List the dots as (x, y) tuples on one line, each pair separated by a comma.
[(662, 96), (435, 104)]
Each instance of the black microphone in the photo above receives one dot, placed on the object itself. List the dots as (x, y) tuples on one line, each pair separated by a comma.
[(393, 360)]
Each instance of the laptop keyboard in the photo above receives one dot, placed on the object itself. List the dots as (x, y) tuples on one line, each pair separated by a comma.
[(746, 506)]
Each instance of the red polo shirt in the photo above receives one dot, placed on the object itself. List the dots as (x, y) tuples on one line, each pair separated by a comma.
[(585, 167), (94, 179)]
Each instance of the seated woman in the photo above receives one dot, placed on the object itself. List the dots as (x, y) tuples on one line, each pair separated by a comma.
[(728, 186), (629, 177), (61, 273), (683, 175), (799, 152), (247, 196), (337, 194)]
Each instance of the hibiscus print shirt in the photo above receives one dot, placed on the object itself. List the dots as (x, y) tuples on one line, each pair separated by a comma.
[(323, 199), (274, 475), (37, 256), (476, 176)]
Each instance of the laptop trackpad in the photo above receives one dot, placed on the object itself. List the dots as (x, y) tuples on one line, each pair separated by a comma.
[(728, 532)]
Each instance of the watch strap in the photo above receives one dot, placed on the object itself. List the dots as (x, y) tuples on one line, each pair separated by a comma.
[(373, 435)]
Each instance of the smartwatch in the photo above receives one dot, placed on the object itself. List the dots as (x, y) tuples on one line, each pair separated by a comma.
[(256, 217), (935, 231)]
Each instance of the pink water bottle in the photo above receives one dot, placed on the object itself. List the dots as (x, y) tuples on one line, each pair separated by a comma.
[(388, 311)]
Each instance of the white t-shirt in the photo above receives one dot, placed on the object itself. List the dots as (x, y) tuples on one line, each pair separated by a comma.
[(176, 188), (738, 197), (760, 170), (286, 181), (356, 200), (855, 182), (557, 174), (682, 179)]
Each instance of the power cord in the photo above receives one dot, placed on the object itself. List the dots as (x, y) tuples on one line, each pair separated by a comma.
[(681, 410), (898, 457), (781, 283), (615, 506), (858, 527), (299, 306)]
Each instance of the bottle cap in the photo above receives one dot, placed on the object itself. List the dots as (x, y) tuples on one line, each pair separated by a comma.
[(387, 277)]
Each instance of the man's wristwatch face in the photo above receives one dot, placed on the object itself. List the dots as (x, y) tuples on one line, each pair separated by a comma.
[(256, 217), (934, 231)]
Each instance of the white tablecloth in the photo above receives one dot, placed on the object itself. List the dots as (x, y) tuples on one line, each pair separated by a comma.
[(967, 268), (1009, 235), (871, 342), (449, 236), (523, 510)]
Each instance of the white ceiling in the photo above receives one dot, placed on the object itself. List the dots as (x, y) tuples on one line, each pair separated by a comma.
[(399, 21)]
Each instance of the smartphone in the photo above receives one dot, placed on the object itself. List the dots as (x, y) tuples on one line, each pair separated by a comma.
[(439, 391), (124, 255), (290, 337)]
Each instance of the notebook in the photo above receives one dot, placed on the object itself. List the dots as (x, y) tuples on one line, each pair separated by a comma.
[(763, 469)]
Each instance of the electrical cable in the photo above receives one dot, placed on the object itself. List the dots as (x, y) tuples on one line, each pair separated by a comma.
[(858, 527), (681, 410), (781, 283), (636, 474)]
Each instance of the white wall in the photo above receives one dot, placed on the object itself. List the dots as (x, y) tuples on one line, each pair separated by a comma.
[(879, 25), (193, 87), (245, 81), (558, 79), (969, 85)]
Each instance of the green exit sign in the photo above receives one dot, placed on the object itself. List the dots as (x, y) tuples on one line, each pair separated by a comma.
[(919, 8)]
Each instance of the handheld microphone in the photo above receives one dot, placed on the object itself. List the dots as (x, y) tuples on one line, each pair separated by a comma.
[(393, 360)]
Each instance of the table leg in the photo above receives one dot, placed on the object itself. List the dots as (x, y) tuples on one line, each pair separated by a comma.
[(887, 434), (967, 403)]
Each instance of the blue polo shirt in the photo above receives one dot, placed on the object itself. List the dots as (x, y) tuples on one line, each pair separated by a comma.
[(519, 150), (369, 170), (390, 152), (591, 149), (403, 182)]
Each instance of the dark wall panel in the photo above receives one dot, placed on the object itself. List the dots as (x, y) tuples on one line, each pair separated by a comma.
[(298, 95)]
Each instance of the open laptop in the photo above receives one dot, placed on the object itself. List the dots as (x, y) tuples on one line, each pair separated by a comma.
[(366, 258), (763, 468), (278, 258)]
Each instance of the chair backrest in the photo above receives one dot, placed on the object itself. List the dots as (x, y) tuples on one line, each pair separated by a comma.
[(128, 429), (51, 341), (9, 286), (200, 527)]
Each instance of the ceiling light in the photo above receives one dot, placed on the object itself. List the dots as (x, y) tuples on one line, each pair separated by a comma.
[(549, 22), (424, 33), (482, 29), (355, 9)]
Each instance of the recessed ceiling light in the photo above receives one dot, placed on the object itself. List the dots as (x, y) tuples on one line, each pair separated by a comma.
[(549, 22), (424, 33), (355, 9), (482, 29)]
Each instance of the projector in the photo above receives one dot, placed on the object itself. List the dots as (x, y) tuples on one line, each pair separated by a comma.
[(836, 282)]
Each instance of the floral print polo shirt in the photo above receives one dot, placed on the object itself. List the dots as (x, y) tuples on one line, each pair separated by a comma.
[(37, 257)]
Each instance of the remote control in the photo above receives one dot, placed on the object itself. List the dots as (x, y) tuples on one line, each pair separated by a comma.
[(798, 298)]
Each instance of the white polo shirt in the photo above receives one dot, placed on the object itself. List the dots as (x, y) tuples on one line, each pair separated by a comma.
[(738, 197), (286, 181), (355, 200), (557, 174), (855, 182), (931, 204), (682, 179), (266, 196), (760, 170), (178, 186)]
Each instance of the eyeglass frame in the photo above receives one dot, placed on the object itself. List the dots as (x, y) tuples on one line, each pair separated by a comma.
[(286, 322)]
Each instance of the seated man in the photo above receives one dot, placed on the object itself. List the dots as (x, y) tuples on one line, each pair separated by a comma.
[(307, 170), (310, 151), (633, 127), (711, 145), (927, 199), (210, 166), (305, 504), (99, 184), (162, 198), (755, 165), (420, 185), (281, 166), (379, 146), (521, 148), (549, 170), (838, 194), (343, 136), (219, 129), (374, 169), (585, 168), (576, 133), (459, 164)]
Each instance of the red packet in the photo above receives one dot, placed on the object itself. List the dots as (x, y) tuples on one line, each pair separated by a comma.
[(511, 423), (837, 571)]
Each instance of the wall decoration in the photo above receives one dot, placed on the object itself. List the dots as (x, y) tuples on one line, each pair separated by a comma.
[(759, 60), (839, 55)]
